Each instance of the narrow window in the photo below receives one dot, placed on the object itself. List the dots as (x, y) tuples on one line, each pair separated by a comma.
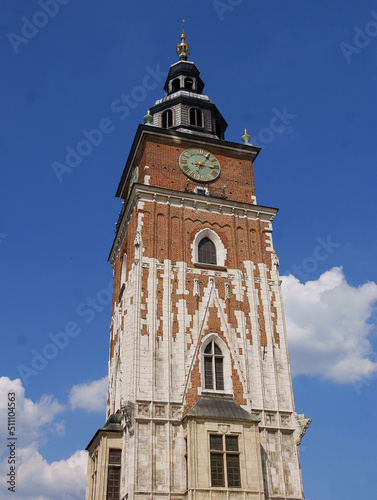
[(217, 460), (94, 475), (124, 269), (189, 83), (167, 118), (196, 117), (186, 461), (113, 475), (176, 85), (213, 367), (225, 462), (207, 251), (232, 461)]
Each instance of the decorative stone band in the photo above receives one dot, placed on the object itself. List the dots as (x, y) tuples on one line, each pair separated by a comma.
[(158, 410), (144, 193), (289, 422)]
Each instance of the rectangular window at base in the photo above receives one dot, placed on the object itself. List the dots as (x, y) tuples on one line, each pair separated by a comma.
[(113, 475), (225, 461)]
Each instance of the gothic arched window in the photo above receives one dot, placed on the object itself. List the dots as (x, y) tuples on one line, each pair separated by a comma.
[(196, 117), (206, 251), (213, 367), (167, 118)]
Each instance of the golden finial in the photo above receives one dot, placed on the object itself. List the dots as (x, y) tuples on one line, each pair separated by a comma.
[(183, 48)]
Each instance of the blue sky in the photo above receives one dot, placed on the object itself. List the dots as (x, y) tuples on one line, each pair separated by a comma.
[(310, 65)]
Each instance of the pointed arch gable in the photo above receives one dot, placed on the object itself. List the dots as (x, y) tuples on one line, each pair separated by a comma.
[(211, 235), (226, 364)]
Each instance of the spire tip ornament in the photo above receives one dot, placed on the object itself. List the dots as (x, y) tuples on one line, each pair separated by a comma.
[(148, 118), (183, 48), (246, 138)]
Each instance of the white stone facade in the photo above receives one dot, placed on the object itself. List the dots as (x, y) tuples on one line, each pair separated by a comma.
[(162, 317)]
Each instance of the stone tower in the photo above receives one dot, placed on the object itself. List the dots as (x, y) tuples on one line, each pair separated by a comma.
[(200, 402)]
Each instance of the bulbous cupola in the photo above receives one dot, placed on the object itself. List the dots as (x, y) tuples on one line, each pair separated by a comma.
[(184, 107)]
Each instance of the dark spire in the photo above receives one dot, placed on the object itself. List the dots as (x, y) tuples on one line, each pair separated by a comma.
[(185, 108), (183, 48)]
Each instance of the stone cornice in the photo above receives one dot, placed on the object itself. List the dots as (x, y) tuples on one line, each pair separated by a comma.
[(193, 201)]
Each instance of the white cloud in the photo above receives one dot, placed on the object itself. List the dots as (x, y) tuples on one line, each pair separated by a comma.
[(39, 480), (35, 423), (34, 420), (89, 396), (329, 327)]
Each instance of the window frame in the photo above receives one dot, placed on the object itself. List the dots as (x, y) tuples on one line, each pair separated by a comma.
[(226, 368), (176, 85), (188, 83), (167, 118), (221, 251), (210, 253), (196, 116), (216, 369), (113, 466), (222, 467), (94, 474)]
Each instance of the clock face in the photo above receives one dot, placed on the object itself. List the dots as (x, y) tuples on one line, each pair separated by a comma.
[(199, 165)]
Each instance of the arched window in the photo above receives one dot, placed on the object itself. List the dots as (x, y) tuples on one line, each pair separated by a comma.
[(220, 253), (167, 118), (207, 251), (196, 117), (189, 83), (176, 85), (213, 367)]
